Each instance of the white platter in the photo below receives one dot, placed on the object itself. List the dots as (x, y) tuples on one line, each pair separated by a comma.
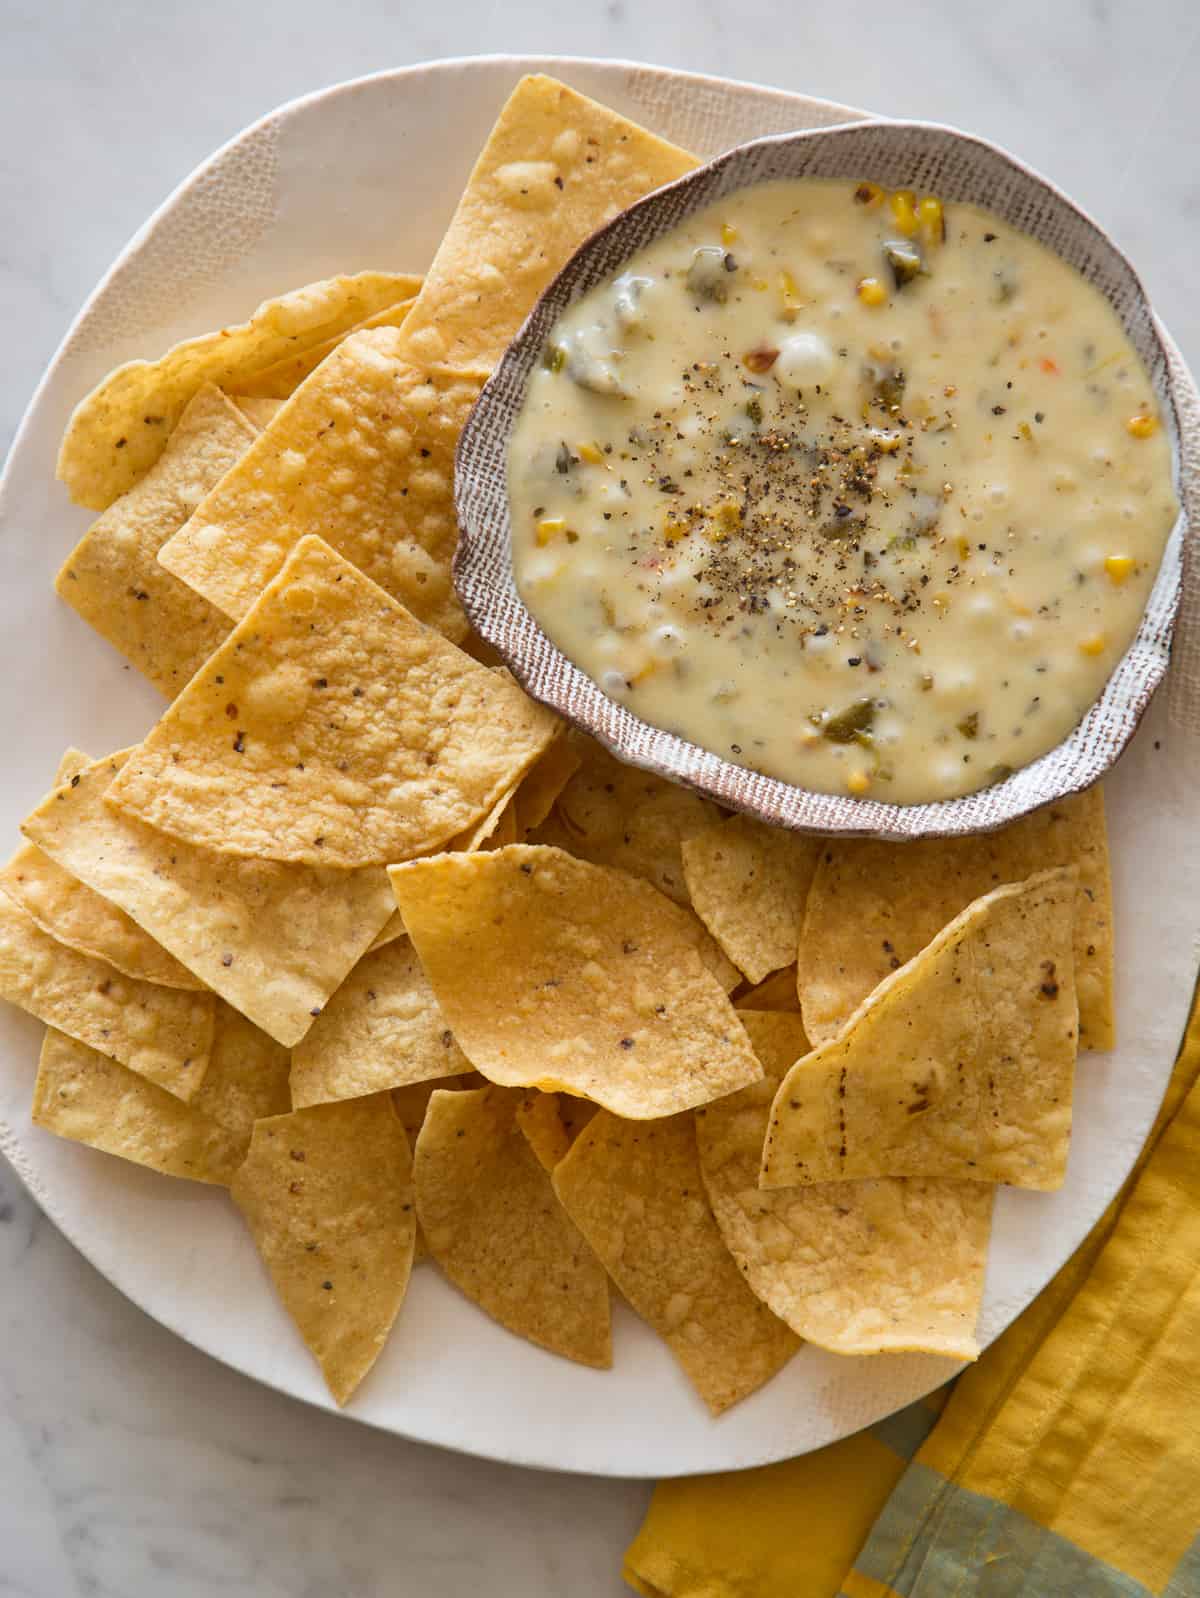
[(366, 175)]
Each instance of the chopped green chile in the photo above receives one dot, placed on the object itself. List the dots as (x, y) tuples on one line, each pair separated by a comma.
[(905, 261), (857, 489), (848, 724)]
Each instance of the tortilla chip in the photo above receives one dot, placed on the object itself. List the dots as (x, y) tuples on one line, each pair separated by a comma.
[(381, 1029), (90, 1099), (551, 1122), (411, 1103), (749, 885), (327, 1194), (281, 380), (557, 974), (332, 729), (959, 1064), (161, 1033), (872, 906), (120, 429), (73, 761), (70, 912), (616, 815), (776, 992), (247, 1077), (893, 1265), (112, 576), (391, 929), (484, 833), (637, 1195), (542, 784), (363, 454), (259, 412), (275, 941), (79, 918), (493, 1224), (555, 167)]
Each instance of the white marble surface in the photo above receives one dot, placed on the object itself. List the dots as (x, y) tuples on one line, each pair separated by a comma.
[(130, 1465)]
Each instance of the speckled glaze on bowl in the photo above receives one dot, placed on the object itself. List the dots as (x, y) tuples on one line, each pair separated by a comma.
[(917, 155)]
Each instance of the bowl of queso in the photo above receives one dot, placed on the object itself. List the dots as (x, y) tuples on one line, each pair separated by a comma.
[(840, 481)]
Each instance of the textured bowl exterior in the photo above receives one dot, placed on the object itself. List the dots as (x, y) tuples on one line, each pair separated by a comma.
[(924, 156)]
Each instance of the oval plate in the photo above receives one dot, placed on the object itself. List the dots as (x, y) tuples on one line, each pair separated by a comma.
[(367, 175)]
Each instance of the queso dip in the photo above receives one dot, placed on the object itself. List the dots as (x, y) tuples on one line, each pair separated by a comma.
[(852, 489)]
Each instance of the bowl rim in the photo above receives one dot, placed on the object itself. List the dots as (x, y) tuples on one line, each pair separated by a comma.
[(1081, 758)]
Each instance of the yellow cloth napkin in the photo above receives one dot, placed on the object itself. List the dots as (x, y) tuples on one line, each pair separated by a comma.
[(1065, 1463)]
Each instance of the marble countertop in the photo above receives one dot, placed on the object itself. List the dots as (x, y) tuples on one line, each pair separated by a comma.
[(133, 1466)]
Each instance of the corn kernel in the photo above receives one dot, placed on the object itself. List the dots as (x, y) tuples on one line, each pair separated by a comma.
[(1119, 567), (791, 296), (759, 285), (868, 194), (1143, 425), (964, 547), (858, 782), (550, 528), (729, 234), (1093, 644), (871, 291), (904, 211), (648, 670), (1017, 606), (932, 219), (592, 453)]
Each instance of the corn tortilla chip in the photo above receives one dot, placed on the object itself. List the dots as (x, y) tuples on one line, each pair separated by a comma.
[(82, 1095), (78, 917), (274, 941), (749, 884), (542, 784), (411, 1103), (872, 906), (391, 929), (247, 1077), (83, 920), (494, 1226), (616, 815), (332, 729), (555, 167), (112, 576), (73, 761), (327, 1194), (482, 834), (893, 1265), (959, 1064), (161, 1033), (119, 430), (557, 974), (281, 380), (776, 992), (377, 482), (383, 1028), (637, 1195), (363, 454), (551, 1122), (258, 411)]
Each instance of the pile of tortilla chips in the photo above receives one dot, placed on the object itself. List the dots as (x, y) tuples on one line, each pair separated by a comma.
[(363, 934)]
